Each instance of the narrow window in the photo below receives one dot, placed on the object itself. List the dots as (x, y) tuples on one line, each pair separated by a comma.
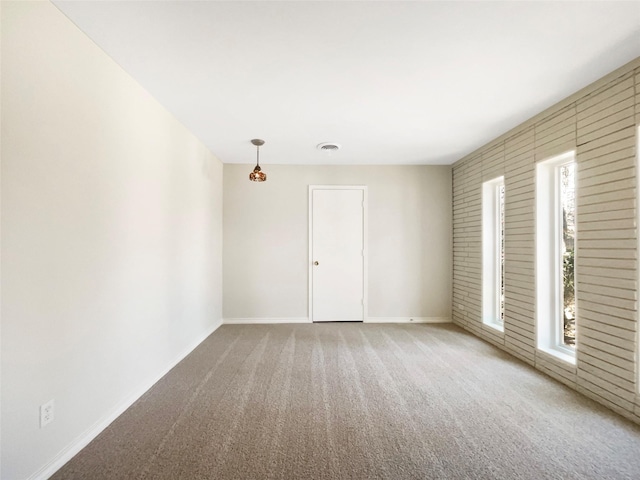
[(555, 248), (493, 253), (568, 199)]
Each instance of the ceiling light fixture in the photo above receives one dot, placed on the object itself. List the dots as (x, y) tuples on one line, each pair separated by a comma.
[(257, 175)]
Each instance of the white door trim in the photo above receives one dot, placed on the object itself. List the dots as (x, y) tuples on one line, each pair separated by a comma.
[(365, 242)]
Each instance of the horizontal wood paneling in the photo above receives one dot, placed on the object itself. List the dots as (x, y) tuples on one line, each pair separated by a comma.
[(600, 123)]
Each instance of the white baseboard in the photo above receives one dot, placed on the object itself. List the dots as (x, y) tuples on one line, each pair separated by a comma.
[(408, 320), (92, 432), (259, 320), (266, 321)]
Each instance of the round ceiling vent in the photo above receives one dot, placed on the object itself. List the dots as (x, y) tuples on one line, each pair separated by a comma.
[(328, 147)]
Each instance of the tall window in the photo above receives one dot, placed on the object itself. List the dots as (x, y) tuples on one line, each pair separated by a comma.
[(493, 253), (568, 199), (555, 245)]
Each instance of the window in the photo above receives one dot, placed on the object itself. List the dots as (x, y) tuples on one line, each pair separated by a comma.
[(555, 247), (493, 253)]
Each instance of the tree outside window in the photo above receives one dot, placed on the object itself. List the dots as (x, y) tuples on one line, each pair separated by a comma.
[(567, 195)]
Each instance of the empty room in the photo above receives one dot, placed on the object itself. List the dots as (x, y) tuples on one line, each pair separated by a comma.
[(319, 240)]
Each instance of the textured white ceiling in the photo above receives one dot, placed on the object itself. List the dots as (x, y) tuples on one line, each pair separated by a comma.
[(392, 82)]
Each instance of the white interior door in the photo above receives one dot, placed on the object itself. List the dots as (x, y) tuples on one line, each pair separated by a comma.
[(337, 254)]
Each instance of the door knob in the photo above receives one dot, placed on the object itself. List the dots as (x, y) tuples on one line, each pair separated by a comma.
[(316, 263)]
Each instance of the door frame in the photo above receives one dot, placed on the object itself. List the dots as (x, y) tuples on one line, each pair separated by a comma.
[(365, 245)]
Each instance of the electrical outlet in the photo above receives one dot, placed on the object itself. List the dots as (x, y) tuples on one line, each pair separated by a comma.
[(46, 413)]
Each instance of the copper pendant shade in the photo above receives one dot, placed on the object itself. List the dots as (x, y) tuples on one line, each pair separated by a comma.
[(257, 175)]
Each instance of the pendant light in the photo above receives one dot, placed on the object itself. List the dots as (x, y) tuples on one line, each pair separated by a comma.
[(257, 175)]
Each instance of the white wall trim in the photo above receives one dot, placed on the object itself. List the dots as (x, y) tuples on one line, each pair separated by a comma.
[(92, 432), (264, 321), (408, 320)]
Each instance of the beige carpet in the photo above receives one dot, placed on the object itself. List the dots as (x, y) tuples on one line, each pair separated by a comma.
[(358, 401)]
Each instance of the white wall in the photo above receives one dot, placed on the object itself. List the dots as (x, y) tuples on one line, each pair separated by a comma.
[(266, 239), (111, 237)]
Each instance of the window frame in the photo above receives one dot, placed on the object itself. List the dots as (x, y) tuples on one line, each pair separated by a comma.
[(492, 250), (549, 258)]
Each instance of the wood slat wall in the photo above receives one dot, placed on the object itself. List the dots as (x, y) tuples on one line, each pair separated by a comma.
[(601, 124)]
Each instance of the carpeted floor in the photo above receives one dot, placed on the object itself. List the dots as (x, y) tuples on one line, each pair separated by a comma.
[(358, 401)]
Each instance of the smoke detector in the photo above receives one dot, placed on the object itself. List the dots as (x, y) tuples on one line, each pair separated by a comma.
[(328, 147)]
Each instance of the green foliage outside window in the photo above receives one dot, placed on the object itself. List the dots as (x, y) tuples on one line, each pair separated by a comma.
[(569, 307)]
